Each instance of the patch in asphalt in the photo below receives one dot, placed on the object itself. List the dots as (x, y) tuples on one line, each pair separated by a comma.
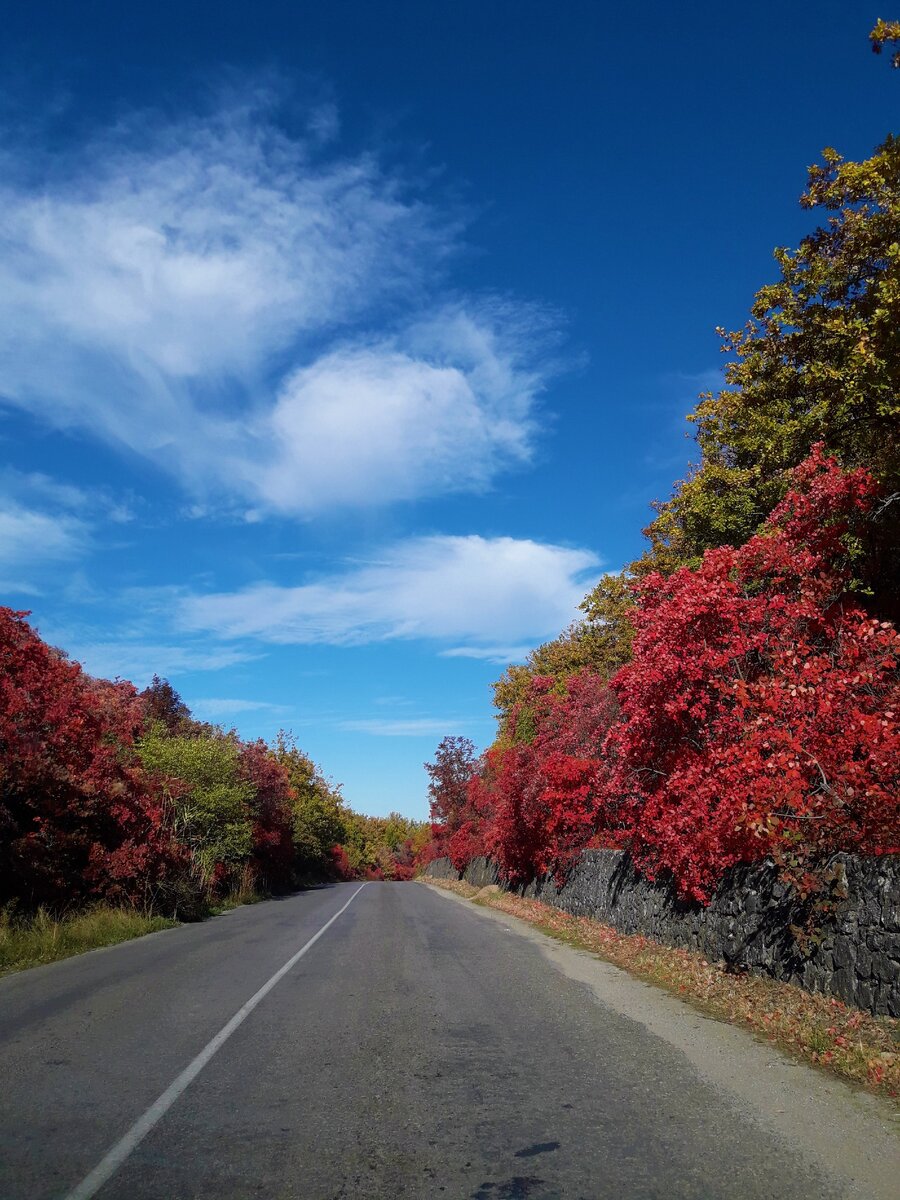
[(537, 1148)]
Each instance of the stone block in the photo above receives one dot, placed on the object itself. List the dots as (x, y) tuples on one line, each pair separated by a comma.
[(863, 961), (841, 984), (843, 953), (885, 968), (865, 997)]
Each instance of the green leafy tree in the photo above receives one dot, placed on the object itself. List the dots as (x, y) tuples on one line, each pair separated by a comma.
[(320, 816), (384, 845), (601, 643), (818, 361), (210, 798)]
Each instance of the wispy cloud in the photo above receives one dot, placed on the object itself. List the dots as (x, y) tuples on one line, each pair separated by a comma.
[(30, 538), (215, 707), (470, 591), (493, 654), (245, 309), (412, 727), (139, 661), (42, 524)]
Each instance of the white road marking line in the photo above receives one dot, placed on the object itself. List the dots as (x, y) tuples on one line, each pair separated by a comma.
[(111, 1162)]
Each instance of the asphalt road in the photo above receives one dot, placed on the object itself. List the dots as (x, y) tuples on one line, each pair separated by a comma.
[(419, 1048)]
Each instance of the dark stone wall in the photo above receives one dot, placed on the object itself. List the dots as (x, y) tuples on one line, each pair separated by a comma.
[(853, 953)]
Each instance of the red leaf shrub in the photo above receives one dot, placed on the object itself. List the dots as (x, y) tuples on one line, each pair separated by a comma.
[(431, 850), (759, 708), (509, 799), (340, 863), (465, 844), (758, 717), (542, 797), (78, 815), (271, 808)]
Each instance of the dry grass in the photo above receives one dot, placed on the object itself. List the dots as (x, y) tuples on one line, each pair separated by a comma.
[(43, 938), (816, 1029)]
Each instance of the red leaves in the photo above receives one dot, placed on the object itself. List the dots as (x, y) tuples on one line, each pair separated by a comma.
[(78, 816), (105, 793), (757, 716), (273, 843), (340, 863), (753, 708), (534, 805)]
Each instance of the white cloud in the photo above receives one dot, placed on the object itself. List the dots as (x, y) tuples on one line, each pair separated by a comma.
[(29, 538), (439, 409), (494, 654), (44, 523), (42, 489), (140, 661), (472, 590), (215, 707), (234, 305), (413, 727)]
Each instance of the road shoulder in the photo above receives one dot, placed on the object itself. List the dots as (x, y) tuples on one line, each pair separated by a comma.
[(849, 1134)]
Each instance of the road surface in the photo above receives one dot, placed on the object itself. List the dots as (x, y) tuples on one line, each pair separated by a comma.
[(419, 1047)]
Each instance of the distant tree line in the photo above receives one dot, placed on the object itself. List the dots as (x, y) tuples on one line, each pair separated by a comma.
[(107, 793)]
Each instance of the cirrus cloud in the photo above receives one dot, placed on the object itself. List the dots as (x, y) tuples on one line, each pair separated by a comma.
[(245, 308), (471, 592)]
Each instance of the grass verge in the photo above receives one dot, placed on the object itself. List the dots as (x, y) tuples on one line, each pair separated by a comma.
[(237, 900), (816, 1029), (43, 938)]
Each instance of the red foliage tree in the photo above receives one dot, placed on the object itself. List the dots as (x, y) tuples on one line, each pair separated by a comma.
[(454, 765), (78, 816), (759, 711), (163, 704), (758, 717), (340, 864), (271, 808), (541, 797), (508, 796)]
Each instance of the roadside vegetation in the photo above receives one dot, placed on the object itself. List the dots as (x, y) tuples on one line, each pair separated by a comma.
[(28, 941), (734, 694), (121, 813), (816, 1029)]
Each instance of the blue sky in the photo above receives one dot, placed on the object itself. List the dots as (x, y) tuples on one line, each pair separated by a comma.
[(345, 345)]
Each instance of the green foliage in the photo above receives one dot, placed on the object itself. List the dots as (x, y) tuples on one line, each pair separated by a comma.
[(209, 797), (601, 643), (608, 628), (818, 361), (42, 938), (378, 845), (319, 813)]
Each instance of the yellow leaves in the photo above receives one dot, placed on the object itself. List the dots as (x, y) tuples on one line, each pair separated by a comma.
[(883, 33)]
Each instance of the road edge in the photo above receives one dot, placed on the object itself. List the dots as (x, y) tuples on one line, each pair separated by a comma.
[(849, 1135)]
